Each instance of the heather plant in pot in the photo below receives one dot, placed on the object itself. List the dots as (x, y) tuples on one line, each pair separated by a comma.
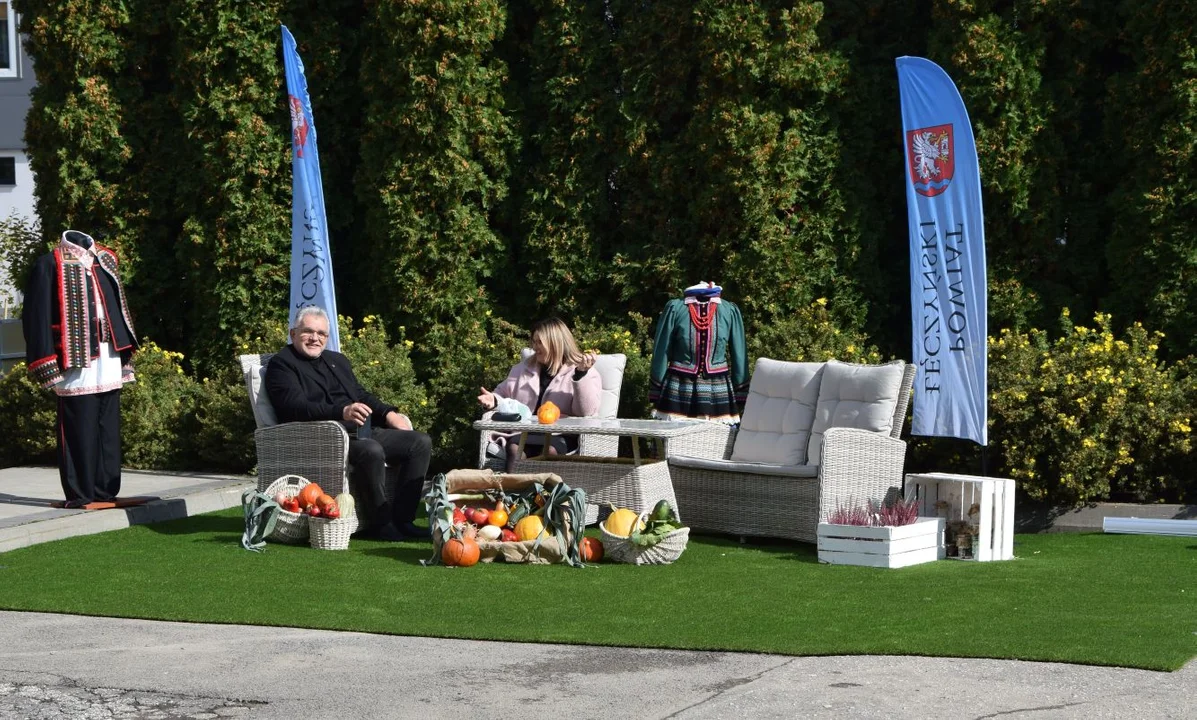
[(891, 514)]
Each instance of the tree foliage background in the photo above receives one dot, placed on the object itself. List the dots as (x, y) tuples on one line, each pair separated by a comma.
[(489, 162)]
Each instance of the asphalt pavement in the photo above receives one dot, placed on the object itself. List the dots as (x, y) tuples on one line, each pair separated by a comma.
[(63, 666)]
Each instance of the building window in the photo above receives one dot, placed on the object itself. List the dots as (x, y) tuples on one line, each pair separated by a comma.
[(8, 171), (8, 40)]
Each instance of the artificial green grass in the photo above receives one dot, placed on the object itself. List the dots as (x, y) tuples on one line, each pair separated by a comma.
[(1096, 599)]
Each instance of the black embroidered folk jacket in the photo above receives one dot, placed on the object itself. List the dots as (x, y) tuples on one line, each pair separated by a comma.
[(61, 319)]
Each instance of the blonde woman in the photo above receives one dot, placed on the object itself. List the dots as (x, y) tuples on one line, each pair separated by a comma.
[(556, 371)]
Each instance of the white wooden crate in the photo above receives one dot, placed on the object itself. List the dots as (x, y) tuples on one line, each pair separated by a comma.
[(887, 547), (993, 496)]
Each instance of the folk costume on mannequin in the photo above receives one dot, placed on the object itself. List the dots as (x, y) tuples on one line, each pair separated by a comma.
[(79, 342), (700, 359)]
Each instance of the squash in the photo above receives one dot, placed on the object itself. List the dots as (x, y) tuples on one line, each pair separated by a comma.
[(591, 549), (548, 413), (460, 552), (530, 528), (621, 521), (309, 495), (490, 533), (345, 504), (498, 517)]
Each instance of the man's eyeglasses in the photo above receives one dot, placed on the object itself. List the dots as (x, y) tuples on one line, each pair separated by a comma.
[(308, 332)]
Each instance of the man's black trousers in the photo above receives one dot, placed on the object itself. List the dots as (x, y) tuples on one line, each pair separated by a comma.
[(407, 452), (89, 446)]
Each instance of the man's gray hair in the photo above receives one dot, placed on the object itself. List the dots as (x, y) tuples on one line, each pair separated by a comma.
[(309, 311)]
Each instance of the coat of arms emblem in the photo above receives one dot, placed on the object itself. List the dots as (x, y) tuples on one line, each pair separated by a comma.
[(299, 125), (931, 159)]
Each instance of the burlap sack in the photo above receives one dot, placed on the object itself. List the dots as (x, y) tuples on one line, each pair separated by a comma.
[(548, 550)]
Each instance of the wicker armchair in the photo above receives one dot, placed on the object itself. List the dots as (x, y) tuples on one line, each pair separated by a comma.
[(318, 451), (718, 489), (610, 369)]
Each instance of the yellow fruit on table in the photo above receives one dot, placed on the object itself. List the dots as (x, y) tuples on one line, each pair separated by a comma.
[(621, 521), (530, 528)]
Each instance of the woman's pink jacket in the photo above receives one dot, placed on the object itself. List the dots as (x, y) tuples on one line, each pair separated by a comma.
[(576, 399)]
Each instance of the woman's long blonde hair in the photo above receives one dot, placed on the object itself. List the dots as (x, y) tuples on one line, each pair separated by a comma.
[(559, 341)]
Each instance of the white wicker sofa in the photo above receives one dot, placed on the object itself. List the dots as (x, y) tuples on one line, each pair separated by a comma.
[(812, 435)]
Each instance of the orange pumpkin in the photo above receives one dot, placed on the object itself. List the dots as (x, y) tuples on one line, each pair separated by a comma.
[(309, 495), (592, 549), (460, 552), (548, 413)]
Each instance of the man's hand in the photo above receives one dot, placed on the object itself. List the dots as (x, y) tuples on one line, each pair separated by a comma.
[(356, 414), (398, 420), (487, 399)]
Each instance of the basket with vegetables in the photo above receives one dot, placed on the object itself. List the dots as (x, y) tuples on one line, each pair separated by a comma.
[(291, 525), (480, 515), (655, 538)]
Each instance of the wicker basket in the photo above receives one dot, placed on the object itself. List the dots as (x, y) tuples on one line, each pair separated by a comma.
[(328, 534), (622, 549), (289, 527)]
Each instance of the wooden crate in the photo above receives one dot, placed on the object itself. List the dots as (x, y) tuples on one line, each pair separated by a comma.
[(993, 499), (887, 547)]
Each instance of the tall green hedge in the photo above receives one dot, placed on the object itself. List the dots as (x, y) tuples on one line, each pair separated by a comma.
[(489, 162), (434, 155)]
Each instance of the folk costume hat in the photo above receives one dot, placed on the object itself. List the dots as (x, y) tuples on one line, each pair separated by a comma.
[(703, 290)]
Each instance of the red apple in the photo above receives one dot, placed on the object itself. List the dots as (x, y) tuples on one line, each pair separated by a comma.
[(507, 535), (481, 516)]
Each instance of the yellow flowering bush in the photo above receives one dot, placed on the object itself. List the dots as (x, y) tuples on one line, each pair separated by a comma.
[(1090, 415), (810, 334)]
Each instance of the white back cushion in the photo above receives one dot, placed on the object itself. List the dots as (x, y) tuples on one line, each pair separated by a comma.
[(855, 396), (254, 369), (776, 423), (610, 368)]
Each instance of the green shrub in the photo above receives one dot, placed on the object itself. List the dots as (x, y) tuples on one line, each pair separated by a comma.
[(636, 344), (28, 418), (811, 334), (221, 430), (1089, 416), (155, 409)]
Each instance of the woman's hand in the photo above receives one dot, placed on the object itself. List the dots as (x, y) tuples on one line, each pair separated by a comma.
[(487, 399), (586, 362)]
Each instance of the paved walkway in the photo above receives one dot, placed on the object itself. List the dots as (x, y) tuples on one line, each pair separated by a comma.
[(61, 666), (26, 517)]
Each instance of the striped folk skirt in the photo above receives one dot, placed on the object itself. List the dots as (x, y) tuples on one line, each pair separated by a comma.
[(697, 397)]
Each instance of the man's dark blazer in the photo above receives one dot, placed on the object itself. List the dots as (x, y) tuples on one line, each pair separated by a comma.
[(301, 388)]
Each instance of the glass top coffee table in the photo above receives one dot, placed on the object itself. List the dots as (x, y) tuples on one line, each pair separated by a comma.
[(636, 483)]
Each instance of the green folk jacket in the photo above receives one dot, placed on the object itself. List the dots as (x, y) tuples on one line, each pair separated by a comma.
[(678, 346)]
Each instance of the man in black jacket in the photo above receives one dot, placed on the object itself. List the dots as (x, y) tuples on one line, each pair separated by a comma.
[(307, 382)]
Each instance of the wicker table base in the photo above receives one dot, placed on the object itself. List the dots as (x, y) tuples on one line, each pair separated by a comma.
[(609, 481)]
